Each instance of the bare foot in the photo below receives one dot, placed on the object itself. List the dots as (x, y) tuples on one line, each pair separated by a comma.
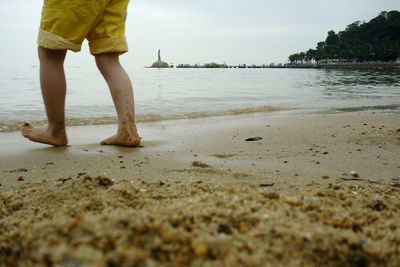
[(44, 136), (121, 139)]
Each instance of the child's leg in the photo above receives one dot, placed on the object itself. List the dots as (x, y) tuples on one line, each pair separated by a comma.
[(53, 84), (122, 93)]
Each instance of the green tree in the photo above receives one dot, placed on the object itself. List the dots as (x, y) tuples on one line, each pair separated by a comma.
[(378, 39)]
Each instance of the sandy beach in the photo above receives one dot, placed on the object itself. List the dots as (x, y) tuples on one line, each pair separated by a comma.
[(283, 188)]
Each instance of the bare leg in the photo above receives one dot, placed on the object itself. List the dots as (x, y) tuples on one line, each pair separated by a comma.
[(53, 85), (122, 94)]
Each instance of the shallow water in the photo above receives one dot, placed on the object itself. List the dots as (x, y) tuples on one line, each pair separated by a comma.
[(175, 93)]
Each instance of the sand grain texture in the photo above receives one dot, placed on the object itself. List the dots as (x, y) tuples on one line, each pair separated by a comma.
[(289, 199)]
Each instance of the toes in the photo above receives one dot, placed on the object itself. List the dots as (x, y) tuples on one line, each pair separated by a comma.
[(26, 129), (105, 142), (27, 125)]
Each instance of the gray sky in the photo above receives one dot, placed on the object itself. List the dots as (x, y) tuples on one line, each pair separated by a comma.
[(201, 31)]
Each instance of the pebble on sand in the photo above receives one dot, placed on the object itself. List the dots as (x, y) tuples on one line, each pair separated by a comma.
[(200, 164), (104, 181), (266, 184), (252, 139), (354, 174)]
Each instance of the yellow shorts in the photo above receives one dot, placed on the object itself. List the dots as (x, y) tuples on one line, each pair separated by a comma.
[(66, 23)]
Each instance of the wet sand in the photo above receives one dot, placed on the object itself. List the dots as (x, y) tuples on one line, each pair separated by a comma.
[(315, 190)]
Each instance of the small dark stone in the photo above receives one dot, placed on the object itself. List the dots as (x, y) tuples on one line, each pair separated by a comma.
[(267, 184), (251, 139), (18, 170), (200, 164), (104, 181), (377, 205), (64, 179), (223, 228)]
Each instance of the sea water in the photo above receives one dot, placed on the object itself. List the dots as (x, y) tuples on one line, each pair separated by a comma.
[(182, 93)]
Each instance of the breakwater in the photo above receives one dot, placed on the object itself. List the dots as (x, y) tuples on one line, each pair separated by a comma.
[(293, 65)]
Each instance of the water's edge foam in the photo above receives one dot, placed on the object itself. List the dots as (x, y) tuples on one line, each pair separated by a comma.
[(16, 125)]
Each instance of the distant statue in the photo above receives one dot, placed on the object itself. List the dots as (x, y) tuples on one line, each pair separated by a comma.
[(160, 63)]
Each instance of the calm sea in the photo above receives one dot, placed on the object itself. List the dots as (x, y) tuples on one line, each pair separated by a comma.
[(179, 93)]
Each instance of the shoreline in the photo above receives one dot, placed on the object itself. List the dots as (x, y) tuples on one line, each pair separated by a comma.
[(317, 189), (149, 118), (12, 126)]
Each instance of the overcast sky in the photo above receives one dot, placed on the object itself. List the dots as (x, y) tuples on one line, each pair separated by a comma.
[(201, 31)]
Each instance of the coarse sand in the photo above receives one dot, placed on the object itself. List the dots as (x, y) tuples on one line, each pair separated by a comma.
[(306, 190)]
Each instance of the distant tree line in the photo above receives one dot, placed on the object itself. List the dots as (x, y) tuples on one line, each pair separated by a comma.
[(376, 40)]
